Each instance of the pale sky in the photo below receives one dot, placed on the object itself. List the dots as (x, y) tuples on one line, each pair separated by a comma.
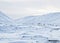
[(20, 8)]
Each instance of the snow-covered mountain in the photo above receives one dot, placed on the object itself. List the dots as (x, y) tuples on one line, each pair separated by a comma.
[(44, 25), (51, 18), (31, 29), (4, 18), (6, 23)]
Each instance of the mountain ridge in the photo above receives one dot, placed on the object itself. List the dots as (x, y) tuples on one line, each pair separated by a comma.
[(48, 18)]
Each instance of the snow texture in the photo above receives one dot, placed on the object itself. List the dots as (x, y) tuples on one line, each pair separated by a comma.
[(31, 29)]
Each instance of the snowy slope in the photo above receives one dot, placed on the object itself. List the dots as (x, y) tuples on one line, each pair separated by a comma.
[(4, 18), (31, 29), (6, 23), (52, 18), (10, 33), (44, 25), (47, 22)]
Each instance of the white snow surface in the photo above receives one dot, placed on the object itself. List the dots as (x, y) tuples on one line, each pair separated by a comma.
[(31, 29)]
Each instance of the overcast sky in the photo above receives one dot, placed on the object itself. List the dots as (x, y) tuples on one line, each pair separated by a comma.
[(20, 8)]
